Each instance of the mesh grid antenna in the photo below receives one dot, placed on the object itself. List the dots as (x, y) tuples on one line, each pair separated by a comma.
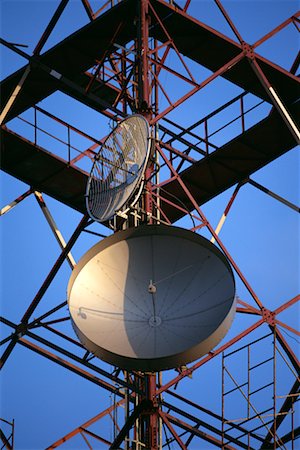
[(118, 168)]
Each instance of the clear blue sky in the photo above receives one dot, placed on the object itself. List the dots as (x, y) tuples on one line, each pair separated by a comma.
[(261, 234)]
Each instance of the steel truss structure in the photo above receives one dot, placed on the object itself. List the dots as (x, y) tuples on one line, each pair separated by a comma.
[(115, 66)]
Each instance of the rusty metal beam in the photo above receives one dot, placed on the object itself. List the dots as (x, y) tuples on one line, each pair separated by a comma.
[(201, 85), (275, 31), (5, 441), (229, 21), (275, 99), (67, 365), (208, 357), (210, 228), (213, 429), (43, 289), (54, 227), (226, 211), (273, 195), (83, 222), (212, 414), (282, 414), (70, 355), (15, 92), (85, 425), (143, 407), (207, 437), (165, 419), (19, 199), (289, 352), (50, 26), (287, 304), (88, 9), (64, 83), (291, 436)]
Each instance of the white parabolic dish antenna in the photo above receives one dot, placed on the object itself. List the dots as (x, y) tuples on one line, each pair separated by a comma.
[(152, 298), (118, 168)]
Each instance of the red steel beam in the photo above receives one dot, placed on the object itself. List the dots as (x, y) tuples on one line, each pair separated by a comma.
[(145, 406), (229, 21), (210, 228), (11, 205), (95, 436), (120, 76), (213, 415), (273, 195), (5, 441), (249, 308), (207, 117), (108, 2), (208, 357), (201, 85), (287, 304), (198, 433), (12, 98), (67, 365), (275, 99), (275, 30), (227, 209), (88, 9), (171, 41), (187, 4), (71, 355), (159, 64), (50, 26), (83, 222), (87, 424), (106, 52), (43, 289), (176, 152), (292, 357), (42, 350), (284, 325), (282, 414), (54, 227), (165, 419)]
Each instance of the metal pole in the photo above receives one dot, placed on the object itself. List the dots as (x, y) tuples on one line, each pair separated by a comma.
[(35, 126), (229, 21), (23, 325), (273, 195), (127, 405), (224, 216), (50, 27), (54, 227), (223, 398), (55, 268), (276, 100), (249, 390), (147, 421), (11, 205), (13, 434), (274, 387), (202, 216), (14, 95)]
